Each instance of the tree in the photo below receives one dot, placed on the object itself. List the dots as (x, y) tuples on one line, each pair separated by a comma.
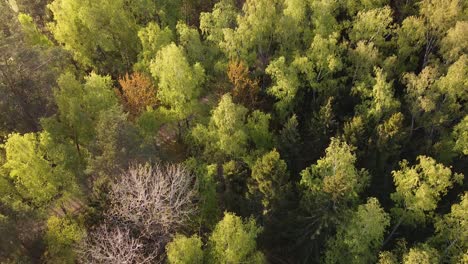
[(226, 132), (421, 94), (258, 125), (435, 101), (245, 90), (379, 101), (325, 20), (233, 241), (153, 38), (147, 205), (32, 33), (440, 16), (63, 234), (461, 136), (451, 232), (78, 106), (419, 188), (271, 179), (364, 57), (106, 245), (359, 240), (286, 85), (334, 175), (373, 25), (179, 84), (363, 5), (189, 39), (42, 170), (155, 200), (454, 44), (254, 34), (421, 255), (100, 34), (411, 39), (115, 143), (288, 139), (185, 250), (322, 60), (329, 188), (213, 24), (138, 92)]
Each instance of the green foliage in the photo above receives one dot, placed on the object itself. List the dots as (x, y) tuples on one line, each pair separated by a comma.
[(185, 250), (286, 84), (373, 25), (34, 36), (359, 240), (61, 237), (421, 255), (189, 39), (410, 41), (322, 60), (79, 106), (230, 130), (179, 84), (271, 178), (247, 93), (381, 101), (451, 233), (209, 212), (40, 168), (419, 188), (334, 175), (233, 241), (454, 44), (152, 38), (115, 141), (258, 129), (100, 34), (461, 136), (255, 31), (214, 24), (226, 131)]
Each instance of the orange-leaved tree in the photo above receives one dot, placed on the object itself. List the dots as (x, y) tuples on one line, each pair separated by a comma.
[(245, 89), (137, 92)]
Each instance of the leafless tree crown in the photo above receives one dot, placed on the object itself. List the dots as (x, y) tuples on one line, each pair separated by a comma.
[(148, 203)]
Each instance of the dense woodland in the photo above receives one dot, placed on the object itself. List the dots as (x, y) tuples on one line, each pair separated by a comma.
[(233, 131)]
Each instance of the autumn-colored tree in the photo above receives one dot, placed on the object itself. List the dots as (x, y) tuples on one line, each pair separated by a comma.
[(137, 92), (245, 89)]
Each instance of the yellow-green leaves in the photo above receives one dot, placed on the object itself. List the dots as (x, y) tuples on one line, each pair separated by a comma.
[(233, 241), (226, 131), (179, 84), (61, 238), (374, 25), (32, 33), (38, 167), (286, 84), (359, 240), (335, 174), (271, 178), (420, 187), (461, 136), (100, 34), (455, 43), (185, 250), (452, 231)]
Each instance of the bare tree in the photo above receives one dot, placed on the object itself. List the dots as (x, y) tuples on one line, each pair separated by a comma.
[(154, 199), (113, 245), (148, 205)]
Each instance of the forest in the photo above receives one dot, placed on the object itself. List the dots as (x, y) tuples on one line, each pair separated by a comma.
[(233, 131)]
